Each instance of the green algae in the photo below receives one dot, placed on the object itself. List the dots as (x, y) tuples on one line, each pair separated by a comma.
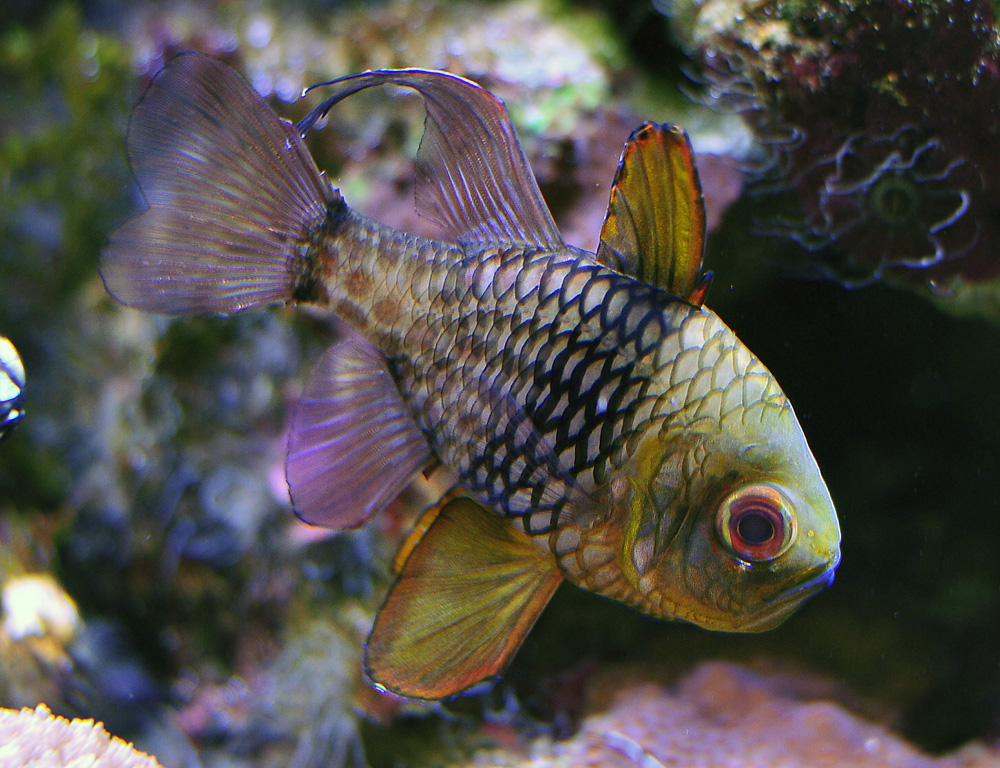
[(65, 92)]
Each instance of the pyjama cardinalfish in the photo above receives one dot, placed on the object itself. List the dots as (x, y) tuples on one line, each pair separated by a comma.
[(601, 424)]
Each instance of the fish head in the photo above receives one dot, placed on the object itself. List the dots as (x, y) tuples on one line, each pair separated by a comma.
[(720, 516), (739, 525), (776, 535)]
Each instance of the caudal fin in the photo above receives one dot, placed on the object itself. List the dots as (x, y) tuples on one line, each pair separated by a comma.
[(231, 190)]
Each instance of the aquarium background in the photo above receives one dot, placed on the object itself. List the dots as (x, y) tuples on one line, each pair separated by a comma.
[(182, 602)]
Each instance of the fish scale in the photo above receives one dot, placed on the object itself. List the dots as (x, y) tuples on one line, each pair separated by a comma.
[(601, 424), (582, 414)]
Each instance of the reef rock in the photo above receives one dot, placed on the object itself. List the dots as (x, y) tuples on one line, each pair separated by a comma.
[(881, 118), (727, 716)]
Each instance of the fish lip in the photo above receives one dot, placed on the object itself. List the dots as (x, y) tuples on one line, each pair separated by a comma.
[(816, 583), (816, 580)]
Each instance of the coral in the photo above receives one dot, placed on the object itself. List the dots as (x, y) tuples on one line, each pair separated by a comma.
[(727, 716), (11, 387), (39, 621), (38, 739), (883, 119), (36, 605)]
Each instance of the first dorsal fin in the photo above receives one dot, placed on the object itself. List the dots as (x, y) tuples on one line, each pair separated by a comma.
[(473, 178), (353, 446), (655, 225), (467, 596)]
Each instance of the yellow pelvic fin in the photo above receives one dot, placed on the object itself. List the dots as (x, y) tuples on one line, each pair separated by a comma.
[(467, 596), (655, 225)]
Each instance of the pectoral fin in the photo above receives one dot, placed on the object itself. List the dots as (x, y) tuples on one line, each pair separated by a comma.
[(655, 225), (467, 596), (353, 445)]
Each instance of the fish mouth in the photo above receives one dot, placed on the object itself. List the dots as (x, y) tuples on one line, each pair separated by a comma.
[(815, 581), (778, 608)]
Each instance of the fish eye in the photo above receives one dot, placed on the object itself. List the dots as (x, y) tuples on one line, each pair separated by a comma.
[(755, 523)]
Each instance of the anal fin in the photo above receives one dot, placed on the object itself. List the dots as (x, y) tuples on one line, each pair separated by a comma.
[(420, 528), (467, 596), (353, 446)]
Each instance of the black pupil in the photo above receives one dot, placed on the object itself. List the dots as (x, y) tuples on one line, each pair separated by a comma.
[(755, 529)]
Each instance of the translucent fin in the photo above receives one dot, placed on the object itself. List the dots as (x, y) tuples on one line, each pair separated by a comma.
[(467, 597), (353, 446), (473, 179), (655, 225), (231, 188)]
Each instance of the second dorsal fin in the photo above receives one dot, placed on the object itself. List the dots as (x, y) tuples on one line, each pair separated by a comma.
[(473, 178), (655, 225)]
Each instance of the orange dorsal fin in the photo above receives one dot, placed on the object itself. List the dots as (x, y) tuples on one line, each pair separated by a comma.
[(467, 596), (655, 224)]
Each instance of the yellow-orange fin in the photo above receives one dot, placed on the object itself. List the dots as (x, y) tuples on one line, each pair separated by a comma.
[(468, 594), (655, 225), (700, 290), (420, 528)]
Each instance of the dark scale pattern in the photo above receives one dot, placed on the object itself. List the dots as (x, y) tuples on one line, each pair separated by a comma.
[(536, 374)]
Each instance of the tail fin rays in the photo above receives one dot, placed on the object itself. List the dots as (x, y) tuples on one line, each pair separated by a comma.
[(232, 192)]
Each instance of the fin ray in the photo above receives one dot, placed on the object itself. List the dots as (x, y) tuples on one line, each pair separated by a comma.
[(467, 596), (231, 189), (353, 447), (473, 178), (655, 224)]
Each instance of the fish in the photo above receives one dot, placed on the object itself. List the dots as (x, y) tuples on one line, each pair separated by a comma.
[(601, 425), (11, 388)]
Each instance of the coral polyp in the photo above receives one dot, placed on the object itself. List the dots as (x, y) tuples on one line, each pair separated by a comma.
[(883, 117), (889, 203)]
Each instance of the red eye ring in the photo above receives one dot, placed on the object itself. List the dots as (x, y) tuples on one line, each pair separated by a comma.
[(756, 524)]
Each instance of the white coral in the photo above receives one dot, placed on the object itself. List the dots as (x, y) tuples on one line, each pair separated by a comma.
[(38, 739)]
